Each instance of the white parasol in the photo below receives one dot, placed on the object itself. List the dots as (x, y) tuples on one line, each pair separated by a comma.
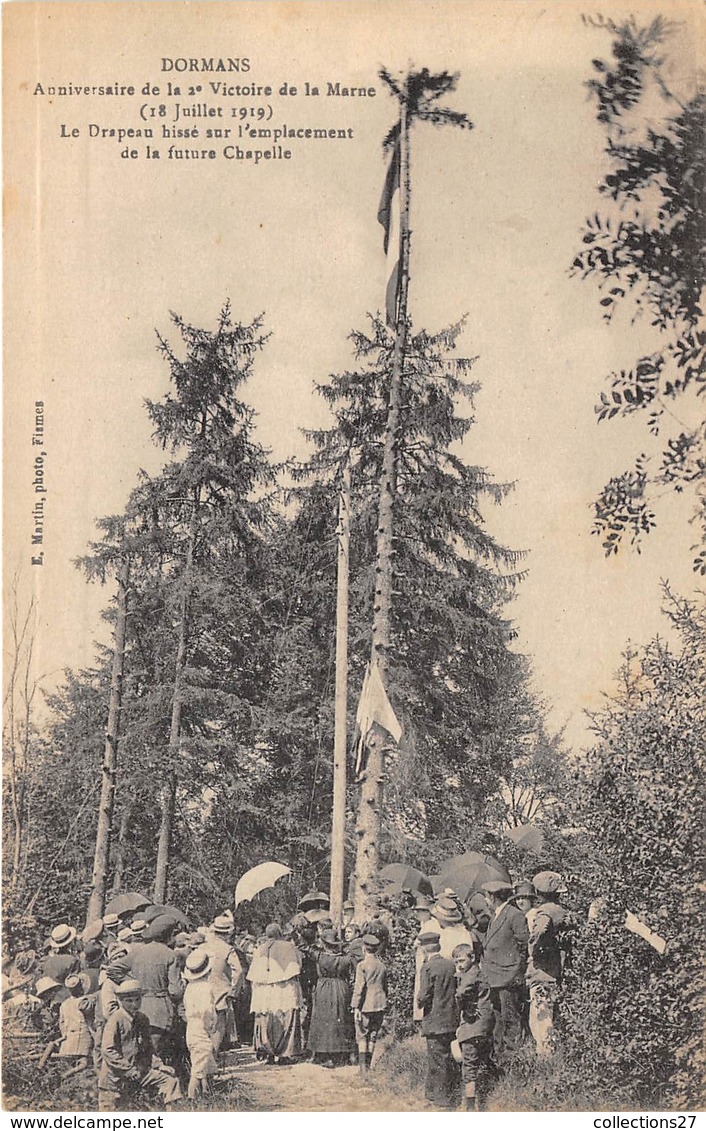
[(258, 878)]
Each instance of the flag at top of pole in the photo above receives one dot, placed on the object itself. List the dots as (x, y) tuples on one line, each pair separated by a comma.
[(389, 217)]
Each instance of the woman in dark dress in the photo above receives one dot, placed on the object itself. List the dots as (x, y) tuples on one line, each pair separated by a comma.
[(332, 1032)]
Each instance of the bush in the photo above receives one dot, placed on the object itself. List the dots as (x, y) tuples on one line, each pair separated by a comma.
[(634, 1018)]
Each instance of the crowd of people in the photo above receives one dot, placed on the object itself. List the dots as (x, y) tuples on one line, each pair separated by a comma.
[(153, 1009)]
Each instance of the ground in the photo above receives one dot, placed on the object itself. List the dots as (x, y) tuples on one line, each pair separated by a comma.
[(310, 1087), (242, 1083)]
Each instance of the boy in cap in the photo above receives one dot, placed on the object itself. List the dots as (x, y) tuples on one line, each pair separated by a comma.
[(128, 1064), (504, 963), (76, 1035), (474, 1034), (369, 1001), (545, 966), (437, 1000)]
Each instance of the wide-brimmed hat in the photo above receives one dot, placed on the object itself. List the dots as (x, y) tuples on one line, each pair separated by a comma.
[(198, 965), (222, 925), (447, 908), (62, 936), (498, 887), (44, 985), (549, 883), (129, 986), (329, 938), (25, 961), (525, 890)]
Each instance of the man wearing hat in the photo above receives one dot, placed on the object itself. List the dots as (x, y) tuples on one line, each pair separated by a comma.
[(61, 961), (156, 968), (369, 1001), (503, 965), (226, 977), (128, 1063), (437, 1000), (446, 919), (545, 966)]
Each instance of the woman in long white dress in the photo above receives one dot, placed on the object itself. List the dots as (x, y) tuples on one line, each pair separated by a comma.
[(276, 997)]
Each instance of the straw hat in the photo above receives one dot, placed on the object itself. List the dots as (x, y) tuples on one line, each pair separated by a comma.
[(198, 965), (62, 936), (222, 925), (446, 909), (129, 986)]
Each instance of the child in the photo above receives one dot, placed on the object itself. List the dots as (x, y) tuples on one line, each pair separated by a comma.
[(437, 999), (201, 1021), (474, 1034), (128, 1064), (76, 1035), (369, 1001)]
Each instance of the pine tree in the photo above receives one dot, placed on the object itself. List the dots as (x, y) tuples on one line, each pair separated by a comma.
[(450, 582)]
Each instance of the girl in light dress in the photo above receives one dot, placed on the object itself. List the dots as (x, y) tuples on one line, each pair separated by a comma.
[(201, 1022)]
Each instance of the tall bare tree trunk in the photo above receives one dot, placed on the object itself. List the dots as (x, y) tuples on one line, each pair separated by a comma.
[(168, 799), (371, 792), (119, 868), (338, 823), (101, 857), (17, 728)]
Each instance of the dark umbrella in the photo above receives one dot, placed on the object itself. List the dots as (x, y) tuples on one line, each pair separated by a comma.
[(161, 927), (403, 877), (468, 872), (126, 901), (154, 910), (314, 899)]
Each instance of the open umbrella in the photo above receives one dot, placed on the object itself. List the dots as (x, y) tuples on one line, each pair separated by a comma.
[(403, 877), (527, 837), (126, 901), (149, 914), (258, 878), (468, 872), (161, 926)]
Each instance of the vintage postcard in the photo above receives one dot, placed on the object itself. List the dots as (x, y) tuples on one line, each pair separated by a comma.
[(353, 556)]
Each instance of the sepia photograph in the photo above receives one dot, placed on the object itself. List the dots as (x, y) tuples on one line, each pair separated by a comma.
[(354, 558)]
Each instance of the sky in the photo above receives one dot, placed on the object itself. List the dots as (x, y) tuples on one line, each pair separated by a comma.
[(100, 248)]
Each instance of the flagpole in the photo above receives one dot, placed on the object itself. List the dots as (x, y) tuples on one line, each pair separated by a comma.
[(371, 799), (338, 823)]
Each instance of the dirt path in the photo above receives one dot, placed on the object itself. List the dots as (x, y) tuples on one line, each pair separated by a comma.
[(310, 1087)]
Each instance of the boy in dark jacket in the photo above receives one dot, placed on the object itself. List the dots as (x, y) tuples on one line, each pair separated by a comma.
[(128, 1063), (437, 1000), (369, 1001), (475, 1033)]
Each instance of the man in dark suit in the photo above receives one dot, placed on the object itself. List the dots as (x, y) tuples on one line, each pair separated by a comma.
[(504, 964), (437, 999)]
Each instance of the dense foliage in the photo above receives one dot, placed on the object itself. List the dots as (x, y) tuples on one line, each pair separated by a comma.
[(648, 252), (634, 1017)]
